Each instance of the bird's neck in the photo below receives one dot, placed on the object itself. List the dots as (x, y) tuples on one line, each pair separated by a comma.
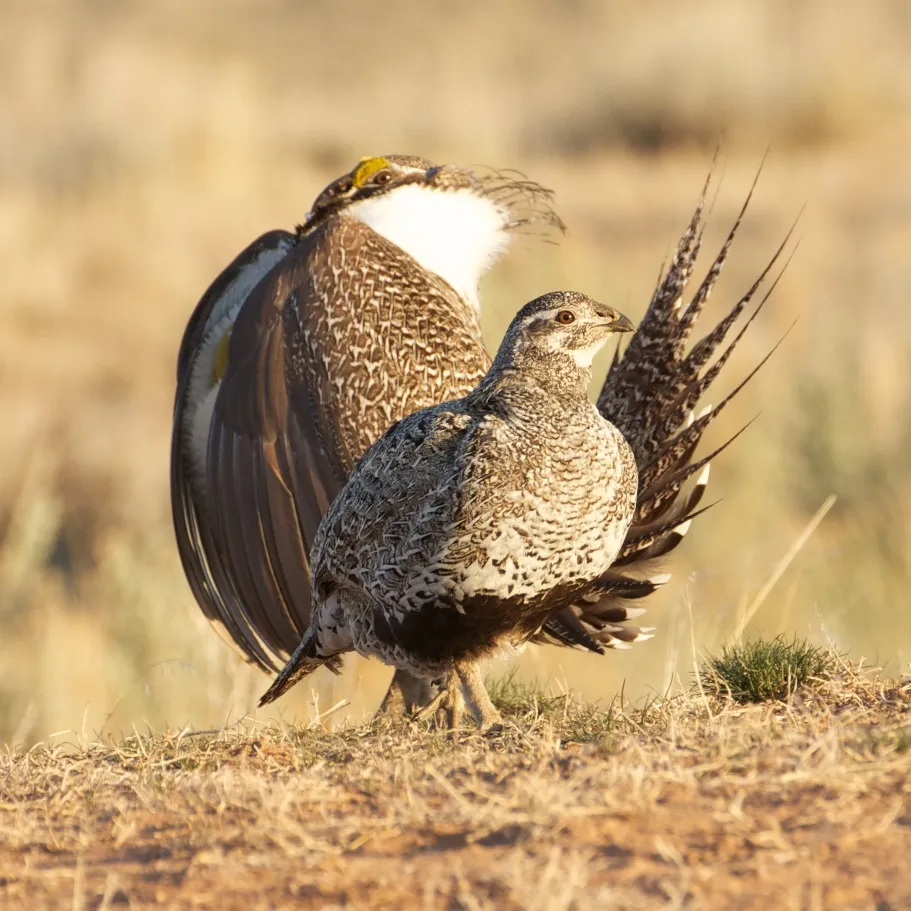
[(537, 380), (456, 234)]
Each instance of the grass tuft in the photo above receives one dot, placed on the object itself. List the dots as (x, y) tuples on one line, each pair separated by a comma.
[(529, 705), (762, 670), (524, 818)]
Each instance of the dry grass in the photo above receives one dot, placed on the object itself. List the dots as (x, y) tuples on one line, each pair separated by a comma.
[(142, 144), (686, 802)]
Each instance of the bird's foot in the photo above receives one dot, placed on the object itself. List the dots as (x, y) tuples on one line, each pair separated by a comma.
[(489, 720), (447, 707), (406, 695), (449, 704)]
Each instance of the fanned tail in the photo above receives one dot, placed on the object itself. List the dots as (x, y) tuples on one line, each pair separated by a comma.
[(650, 394)]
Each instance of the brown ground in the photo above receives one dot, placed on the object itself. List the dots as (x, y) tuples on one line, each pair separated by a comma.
[(691, 803), (143, 143)]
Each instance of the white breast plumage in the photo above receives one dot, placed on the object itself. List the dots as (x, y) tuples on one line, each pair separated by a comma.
[(456, 234)]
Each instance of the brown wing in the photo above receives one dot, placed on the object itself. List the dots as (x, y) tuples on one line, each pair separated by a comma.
[(322, 360), (237, 279), (289, 422), (270, 475), (227, 293)]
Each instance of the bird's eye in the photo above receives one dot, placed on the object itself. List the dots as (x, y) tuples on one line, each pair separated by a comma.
[(343, 186), (565, 317), (382, 177)]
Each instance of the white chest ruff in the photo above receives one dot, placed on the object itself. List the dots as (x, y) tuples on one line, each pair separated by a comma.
[(455, 234)]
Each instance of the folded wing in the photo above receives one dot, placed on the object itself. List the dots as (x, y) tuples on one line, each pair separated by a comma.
[(270, 473)]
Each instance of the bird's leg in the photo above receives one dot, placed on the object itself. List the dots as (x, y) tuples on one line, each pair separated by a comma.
[(406, 694), (448, 703), (484, 711)]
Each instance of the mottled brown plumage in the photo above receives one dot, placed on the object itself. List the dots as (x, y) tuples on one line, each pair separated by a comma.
[(469, 524), (335, 332)]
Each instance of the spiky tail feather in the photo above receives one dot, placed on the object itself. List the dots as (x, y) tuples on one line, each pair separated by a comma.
[(304, 661), (650, 394), (595, 623)]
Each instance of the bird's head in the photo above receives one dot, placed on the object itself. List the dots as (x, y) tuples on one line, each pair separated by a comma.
[(453, 221), (369, 178), (565, 323)]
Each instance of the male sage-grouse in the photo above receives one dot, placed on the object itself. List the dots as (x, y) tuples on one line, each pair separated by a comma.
[(302, 352), (468, 525)]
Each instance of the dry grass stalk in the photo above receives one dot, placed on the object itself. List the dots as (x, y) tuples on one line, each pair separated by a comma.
[(572, 807)]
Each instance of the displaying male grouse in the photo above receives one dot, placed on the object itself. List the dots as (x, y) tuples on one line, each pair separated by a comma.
[(302, 352)]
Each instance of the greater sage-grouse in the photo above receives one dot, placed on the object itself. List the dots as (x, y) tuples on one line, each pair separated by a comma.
[(302, 352), (252, 475), (469, 525), (649, 395)]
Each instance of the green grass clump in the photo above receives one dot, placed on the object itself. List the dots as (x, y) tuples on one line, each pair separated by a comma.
[(762, 670)]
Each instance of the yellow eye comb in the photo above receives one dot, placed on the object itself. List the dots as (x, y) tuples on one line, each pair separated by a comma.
[(366, 169)]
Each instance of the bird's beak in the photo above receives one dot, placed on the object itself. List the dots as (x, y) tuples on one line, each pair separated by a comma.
[(621, 324)]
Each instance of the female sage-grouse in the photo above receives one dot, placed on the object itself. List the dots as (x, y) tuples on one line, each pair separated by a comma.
[(469, 525), (298, 357)]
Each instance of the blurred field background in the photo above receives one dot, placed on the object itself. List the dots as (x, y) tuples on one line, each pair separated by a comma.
[(143, 144)]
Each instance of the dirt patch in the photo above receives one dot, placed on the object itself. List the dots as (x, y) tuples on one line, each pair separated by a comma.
[(688, 802)]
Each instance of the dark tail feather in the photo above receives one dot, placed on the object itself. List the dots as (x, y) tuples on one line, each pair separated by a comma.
[(597, 619), (304, 661), (651, 393), (656, 500), (681, 447), (641, 369), (634, 376), (700, 298), (626, 587), (687, 385), (657, 540), (566, 628)]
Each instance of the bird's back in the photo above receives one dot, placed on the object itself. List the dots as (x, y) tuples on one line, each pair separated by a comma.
[(486, 496)]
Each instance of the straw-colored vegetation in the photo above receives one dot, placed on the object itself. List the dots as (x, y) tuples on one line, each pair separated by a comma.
[(685, 802), (143, 144)]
